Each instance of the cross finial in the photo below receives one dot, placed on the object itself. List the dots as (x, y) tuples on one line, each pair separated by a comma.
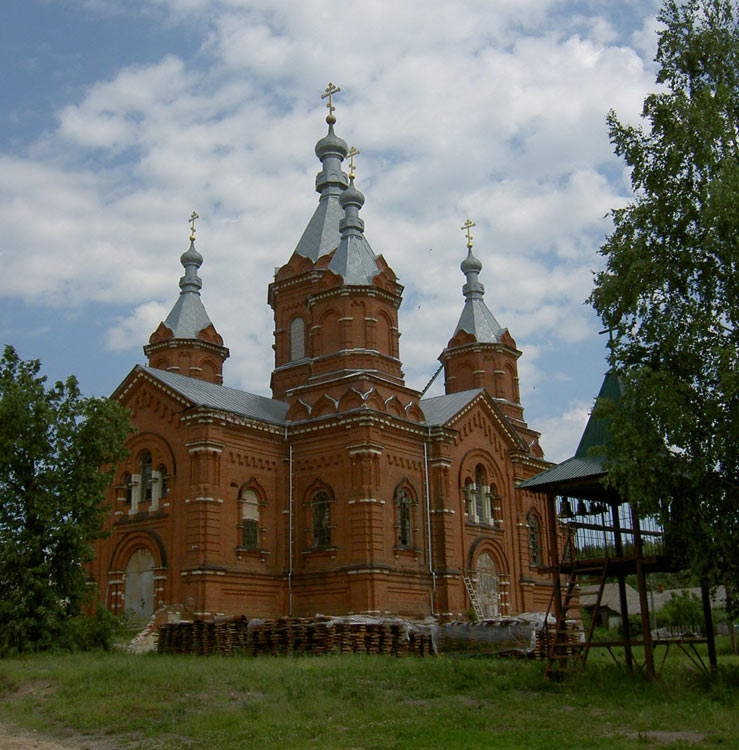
[(330, 91), (193, 216), (466, 227), (352, 153)]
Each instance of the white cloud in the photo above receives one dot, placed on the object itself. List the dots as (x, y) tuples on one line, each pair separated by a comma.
[(492, 110), (134, 330), (561, 433), (644, 39)]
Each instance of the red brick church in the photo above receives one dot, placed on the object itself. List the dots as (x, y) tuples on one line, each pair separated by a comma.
[(346, 491)]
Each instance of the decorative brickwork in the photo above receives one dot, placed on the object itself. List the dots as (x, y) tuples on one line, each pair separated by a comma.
[(346, 492)]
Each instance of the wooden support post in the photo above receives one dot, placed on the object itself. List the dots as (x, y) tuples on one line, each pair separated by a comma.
[(618, 543), (708, 624), (642, 584), (554, 553)]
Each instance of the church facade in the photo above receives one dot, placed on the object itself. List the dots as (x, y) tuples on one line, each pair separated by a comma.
[(346, 491)]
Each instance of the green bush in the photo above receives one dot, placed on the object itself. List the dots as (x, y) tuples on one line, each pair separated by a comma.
[(83, 633), (682, 610), (635, 629), (78, 633)]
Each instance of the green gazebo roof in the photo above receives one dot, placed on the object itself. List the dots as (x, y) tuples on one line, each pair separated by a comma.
[(580, 476)]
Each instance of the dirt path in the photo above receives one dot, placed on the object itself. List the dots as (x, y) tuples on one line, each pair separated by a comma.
[(14, 738)]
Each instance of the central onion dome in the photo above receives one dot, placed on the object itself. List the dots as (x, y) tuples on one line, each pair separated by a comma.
[(331, 144)]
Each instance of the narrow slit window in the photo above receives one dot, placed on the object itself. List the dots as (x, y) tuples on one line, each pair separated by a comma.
[(480, 493), (321, 519), (146, 467), (534, 541), (404, 519), (249, 519), (297, 339)]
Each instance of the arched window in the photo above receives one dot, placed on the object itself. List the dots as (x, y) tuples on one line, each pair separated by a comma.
[(321, 519), (404, 519), (129, 488), (249, 519), (534, 541), (469, 498), (481, 512), (297, 339), (163, 481), (146, 467)]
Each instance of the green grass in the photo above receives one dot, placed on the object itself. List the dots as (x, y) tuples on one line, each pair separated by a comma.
[(116, 700)]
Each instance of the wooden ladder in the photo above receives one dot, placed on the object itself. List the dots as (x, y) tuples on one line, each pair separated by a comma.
[(566, 655), (476, 606)]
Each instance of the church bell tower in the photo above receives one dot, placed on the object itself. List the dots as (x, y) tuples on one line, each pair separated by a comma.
[(187, 342)]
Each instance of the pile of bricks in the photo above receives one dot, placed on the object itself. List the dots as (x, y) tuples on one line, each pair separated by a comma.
[(292, 635)]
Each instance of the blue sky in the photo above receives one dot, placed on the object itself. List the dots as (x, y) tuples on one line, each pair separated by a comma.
[(120, 118)]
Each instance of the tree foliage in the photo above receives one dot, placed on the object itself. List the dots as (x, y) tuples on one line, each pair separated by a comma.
[(683, 608), (669, 292), (55, 446)]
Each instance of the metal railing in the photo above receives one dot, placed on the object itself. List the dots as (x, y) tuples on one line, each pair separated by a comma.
[(592, 533)]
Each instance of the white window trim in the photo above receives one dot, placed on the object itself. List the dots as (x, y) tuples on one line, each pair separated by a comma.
[(135, 494)]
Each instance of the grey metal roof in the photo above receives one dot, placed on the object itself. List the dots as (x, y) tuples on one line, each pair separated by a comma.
[(573, 469), (438, 410), (657, 599), (210, 395), (322, 236), (611, 598), (188, 317), (354, 261), (476, 318)]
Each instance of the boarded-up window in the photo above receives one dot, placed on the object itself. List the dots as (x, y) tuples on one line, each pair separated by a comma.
[(321, 519), (249, 519), (297, 339), (384, 335), (330, 333)]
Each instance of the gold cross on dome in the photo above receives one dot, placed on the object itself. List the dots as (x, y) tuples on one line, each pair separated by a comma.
[(193, 216), (330, 91), (466, 227), (352, 153)]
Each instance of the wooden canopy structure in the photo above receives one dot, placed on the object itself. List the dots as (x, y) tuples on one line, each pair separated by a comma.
[(600, 536)]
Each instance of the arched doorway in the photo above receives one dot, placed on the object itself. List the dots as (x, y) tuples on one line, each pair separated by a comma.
[(487, 586), (139, 594)]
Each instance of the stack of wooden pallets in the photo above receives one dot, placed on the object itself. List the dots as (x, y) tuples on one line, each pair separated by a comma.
[(292, 635)]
